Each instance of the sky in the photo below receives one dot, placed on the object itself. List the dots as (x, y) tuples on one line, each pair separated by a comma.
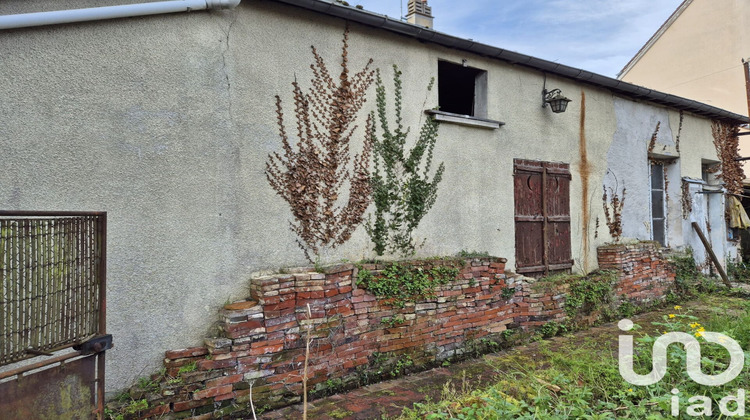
[(595, 35)]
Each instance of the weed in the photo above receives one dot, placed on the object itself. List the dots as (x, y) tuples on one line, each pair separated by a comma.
[(405, 282), (589, 294), (508, 292), (552, 328), (392, 321), (627, 309), (136, 406), (738, 271), (190, 367), (402, 363), (340, 413), (147, 385), (473, 254)]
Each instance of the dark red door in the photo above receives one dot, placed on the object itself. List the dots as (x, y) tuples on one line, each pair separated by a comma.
[(542, 216)]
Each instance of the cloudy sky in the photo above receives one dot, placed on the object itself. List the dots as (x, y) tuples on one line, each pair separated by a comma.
[(595, 35)]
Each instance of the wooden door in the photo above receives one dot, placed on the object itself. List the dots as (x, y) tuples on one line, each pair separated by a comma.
[(542, 217)]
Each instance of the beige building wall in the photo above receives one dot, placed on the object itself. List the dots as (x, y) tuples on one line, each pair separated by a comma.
[(166, 122), (698, 55)]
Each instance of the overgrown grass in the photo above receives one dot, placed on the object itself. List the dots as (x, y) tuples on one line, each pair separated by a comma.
[(579, 378)]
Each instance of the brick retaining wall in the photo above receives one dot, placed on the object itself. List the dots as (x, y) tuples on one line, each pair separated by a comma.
[(644, 273), (359, 339)]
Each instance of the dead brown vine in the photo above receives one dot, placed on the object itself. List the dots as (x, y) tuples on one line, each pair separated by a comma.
[(679, 132), (613, 216), (726, 142), (311, 176), (687, 200), (652, 143)]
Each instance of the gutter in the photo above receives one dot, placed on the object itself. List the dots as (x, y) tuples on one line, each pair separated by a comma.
[(27, 20), (423, 34)]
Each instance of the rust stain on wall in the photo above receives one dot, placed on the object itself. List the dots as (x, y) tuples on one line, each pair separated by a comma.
[(585, 170)]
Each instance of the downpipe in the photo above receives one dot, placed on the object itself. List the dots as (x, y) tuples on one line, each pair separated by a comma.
[(27, 20)]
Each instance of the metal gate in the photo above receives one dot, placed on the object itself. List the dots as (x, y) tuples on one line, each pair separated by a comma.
[(52, 314), (542, 216)]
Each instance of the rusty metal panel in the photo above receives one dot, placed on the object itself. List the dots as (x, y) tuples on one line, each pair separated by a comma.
[(51, 281), (64, 392), (542, 217)]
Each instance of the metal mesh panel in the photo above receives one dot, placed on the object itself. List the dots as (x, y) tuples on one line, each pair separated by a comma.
[(50, 276)]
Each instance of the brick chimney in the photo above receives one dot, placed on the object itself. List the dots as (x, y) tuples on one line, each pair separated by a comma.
[(419, 13)]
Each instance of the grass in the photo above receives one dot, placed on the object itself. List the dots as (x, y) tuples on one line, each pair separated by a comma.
[(578, 377)]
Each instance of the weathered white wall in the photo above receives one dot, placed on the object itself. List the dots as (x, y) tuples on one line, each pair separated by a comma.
[(166, 123)]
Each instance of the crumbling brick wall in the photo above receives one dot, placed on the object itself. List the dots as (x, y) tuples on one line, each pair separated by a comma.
[(357, 338)]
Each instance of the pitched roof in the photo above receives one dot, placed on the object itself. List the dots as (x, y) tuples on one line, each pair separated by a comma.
[(423, 34), (655, 37)]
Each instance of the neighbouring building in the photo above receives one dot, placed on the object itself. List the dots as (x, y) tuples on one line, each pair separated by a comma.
[(167, 121), (697, 53)]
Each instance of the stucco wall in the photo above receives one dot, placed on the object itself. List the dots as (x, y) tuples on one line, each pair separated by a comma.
[(166, 123)]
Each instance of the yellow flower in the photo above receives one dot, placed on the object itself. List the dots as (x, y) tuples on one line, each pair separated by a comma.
[(701, 329), (695, 325), (677, 307), (671, 315), (699, 334), (630, 389)]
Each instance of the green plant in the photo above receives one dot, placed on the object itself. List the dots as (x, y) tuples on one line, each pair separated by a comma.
[(147, 385), (590, 293), (472, 254), (405, 282), (507, 334), (174, 381), (689, 281), (113, 415), (392, 321), (310, 178), (738, 271), (402, 189), (190, 367), (508, 292), (136, 406), (552, 328), (627, 309), (402, 363)]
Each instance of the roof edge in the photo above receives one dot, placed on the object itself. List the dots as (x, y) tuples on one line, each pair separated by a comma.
[(423, 34)]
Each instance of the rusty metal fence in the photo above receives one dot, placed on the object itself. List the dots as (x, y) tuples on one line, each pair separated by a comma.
[(52, 281)]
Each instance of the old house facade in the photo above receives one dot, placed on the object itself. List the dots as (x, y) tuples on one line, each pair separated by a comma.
[(166, 123)]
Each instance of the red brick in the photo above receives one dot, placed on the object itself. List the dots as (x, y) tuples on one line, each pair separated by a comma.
[(247, 325), (207, 364), (267, 350), (212, 392), (188, 405), (188, 352)]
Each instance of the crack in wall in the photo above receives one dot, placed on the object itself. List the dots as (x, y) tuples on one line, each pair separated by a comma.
[(224, 52)]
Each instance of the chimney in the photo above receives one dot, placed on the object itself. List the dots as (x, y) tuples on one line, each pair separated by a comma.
[(419, 13)]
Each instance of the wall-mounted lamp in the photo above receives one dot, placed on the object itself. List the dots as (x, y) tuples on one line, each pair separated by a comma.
[(557, 102)]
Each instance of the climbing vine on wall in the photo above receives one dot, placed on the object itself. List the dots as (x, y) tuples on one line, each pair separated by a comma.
[(652, 142), (687, 200), (726, 142), (310, 175), (613, 204), (679, 133), (403, 188)]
